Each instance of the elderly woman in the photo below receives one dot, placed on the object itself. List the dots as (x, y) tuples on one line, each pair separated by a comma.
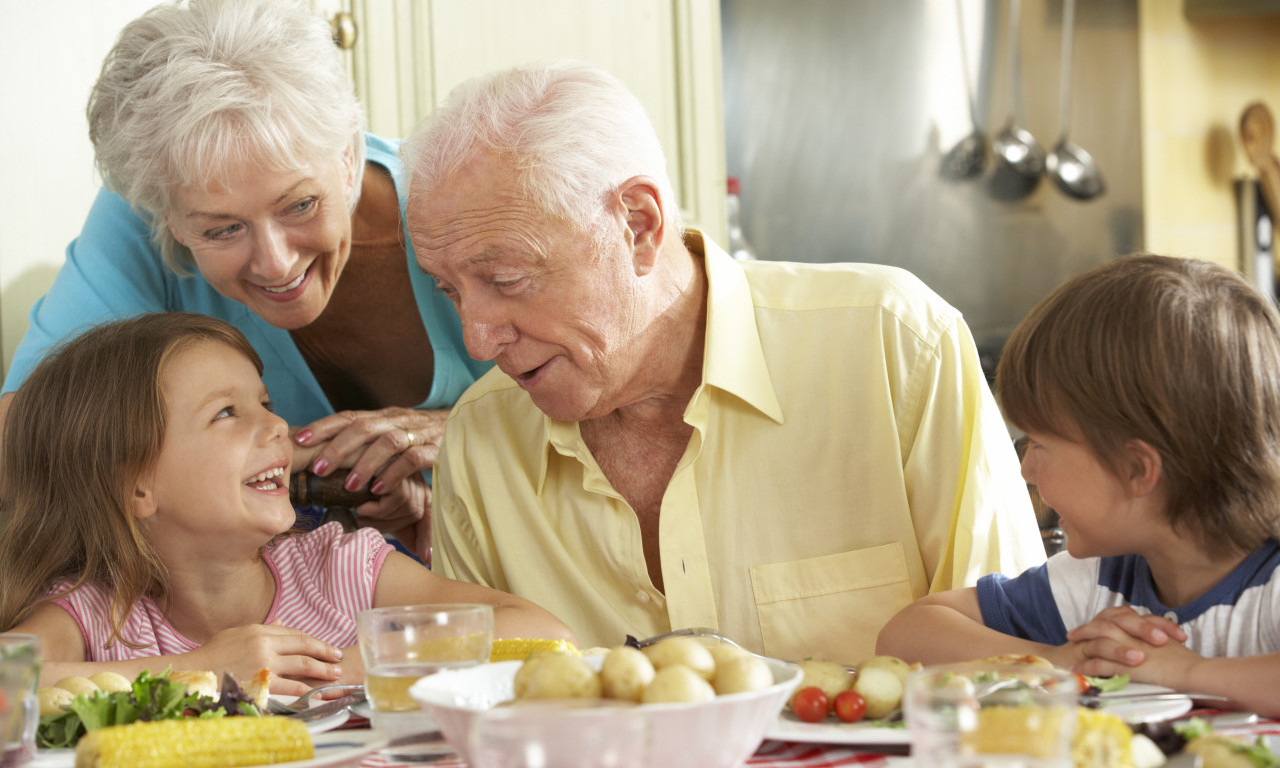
[(240, 185)]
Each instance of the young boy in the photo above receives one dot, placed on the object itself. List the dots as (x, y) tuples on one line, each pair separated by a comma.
[(1149, 388)]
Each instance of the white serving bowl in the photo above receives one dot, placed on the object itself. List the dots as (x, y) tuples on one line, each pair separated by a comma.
[(721, 733)]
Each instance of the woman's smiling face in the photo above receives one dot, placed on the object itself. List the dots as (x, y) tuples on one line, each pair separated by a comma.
[(276, 242)]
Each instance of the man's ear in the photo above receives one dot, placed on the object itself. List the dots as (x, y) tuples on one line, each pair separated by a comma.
[(642, 209), (1146, 467)]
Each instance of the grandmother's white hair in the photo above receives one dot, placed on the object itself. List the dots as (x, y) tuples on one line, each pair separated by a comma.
[(573, 131), (192, 89)]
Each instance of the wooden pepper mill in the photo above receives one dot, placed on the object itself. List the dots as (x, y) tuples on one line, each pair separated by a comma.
[(306, 489)]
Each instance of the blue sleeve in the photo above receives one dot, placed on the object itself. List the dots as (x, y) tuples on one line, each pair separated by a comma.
[(111, 271), (1022, 606)]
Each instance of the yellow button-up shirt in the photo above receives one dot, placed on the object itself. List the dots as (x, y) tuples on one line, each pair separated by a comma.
[(847, 457)]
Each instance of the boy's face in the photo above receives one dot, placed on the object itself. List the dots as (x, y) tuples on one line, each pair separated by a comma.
[(222, 478), (1098, 514)]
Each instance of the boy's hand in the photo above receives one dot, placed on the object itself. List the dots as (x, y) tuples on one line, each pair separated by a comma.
[(1120, 637)]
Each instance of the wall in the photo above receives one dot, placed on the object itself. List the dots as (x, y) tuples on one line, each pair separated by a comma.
[(51, 57), (1197, 78), (838, 114)]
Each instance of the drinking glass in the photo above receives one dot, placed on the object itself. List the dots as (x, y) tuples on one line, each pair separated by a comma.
[(979, 715), (560, 734), (403, 644), (19, 707)]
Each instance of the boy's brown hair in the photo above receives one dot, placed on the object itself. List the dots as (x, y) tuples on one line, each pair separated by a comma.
[(80, 432), (1179, 353)]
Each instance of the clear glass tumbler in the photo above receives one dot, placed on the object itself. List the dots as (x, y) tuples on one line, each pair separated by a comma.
[(19, 707)]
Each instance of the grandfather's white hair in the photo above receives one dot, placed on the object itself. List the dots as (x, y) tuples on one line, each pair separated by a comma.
[(573, 131), (192, 89)]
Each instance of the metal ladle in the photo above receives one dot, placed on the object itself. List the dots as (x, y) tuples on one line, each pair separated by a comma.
[(1070, 167), (1019, 157), (968, 157)]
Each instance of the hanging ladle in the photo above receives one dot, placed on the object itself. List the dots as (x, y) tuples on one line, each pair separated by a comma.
[(1019, 157), (968, 157), (1070, 167)]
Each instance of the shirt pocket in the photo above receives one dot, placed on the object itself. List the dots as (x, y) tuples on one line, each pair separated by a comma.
[(830, 607)]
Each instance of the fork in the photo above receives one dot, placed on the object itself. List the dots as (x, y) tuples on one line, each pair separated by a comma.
[(300, 704)]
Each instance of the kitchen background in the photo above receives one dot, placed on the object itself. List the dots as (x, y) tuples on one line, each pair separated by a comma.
[(834, 113)]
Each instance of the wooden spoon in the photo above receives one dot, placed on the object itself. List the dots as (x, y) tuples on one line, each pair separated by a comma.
[(1257, 132)]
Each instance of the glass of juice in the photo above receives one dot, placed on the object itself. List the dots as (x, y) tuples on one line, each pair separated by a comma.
[(19, 707), (402, 644)]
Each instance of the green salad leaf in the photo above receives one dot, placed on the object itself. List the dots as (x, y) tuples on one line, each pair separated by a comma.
[(151, 697), (1108, 684)]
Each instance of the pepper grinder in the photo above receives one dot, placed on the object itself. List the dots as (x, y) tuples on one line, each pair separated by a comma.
[(306, 489)]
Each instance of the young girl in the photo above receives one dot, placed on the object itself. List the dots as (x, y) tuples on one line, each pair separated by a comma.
[(146, 521), (1150, 390)]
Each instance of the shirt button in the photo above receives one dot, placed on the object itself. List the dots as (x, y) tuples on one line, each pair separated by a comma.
[(1172, 616), (642, 597)]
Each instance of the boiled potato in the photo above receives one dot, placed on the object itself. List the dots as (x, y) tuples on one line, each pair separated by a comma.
[(682, 652), (624, 673), (77, 684), (722, 653), (881, 689), (556, 676), (892, 663), (1218, 751), (831, 677), (677, 684), (740, 674), (111, 682), (54, 700)]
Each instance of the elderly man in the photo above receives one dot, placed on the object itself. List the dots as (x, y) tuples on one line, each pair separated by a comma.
[(789, 453)]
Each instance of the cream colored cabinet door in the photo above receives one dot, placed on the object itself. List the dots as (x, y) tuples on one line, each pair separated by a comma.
[(409, 54)]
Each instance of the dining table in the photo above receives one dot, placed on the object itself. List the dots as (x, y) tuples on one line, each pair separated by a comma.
[(785, 754)]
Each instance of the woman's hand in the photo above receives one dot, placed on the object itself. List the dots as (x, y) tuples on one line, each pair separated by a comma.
[(298, 661), (405, 514), (386, 451), (381, 448)]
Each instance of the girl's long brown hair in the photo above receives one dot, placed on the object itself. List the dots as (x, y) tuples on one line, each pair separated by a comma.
[(81, 431)]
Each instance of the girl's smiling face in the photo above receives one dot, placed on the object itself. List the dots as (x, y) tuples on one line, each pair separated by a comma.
[(222, 476)]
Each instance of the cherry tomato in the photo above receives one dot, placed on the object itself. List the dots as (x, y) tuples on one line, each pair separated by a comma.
[(1082, 682), (810, 704), (849, 706)]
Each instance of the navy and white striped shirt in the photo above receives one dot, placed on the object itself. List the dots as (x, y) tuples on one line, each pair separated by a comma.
[(1239, 616)]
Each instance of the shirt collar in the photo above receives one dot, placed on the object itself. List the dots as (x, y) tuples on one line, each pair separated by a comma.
[(733, 357)]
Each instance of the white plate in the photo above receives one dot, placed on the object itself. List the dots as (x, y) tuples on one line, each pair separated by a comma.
[(832, 731), (327, 723), (1136, 711), (870, 734), (333, 750)]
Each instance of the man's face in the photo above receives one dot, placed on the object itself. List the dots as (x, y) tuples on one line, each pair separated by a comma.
[(556, 313)]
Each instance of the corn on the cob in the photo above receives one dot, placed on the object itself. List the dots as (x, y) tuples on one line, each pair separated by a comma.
[(196, 743), (1102, 740), (519, 649)]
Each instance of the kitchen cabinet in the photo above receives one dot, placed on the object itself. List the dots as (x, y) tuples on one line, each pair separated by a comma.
[(409, 54)]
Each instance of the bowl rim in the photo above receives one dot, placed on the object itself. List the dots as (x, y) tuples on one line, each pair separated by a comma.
[(786, 676)]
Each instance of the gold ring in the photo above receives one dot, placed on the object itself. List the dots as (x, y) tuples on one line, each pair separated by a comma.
[(409, 436)]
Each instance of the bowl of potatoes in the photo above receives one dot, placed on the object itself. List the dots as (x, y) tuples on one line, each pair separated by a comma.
[(703, 706)]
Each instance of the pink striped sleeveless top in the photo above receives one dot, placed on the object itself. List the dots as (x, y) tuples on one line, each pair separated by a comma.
[(322, 579)]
